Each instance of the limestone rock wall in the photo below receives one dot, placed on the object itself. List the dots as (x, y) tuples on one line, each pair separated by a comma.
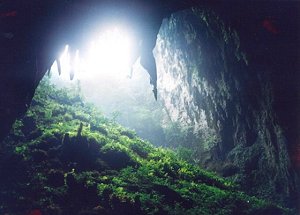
[(206, 81)]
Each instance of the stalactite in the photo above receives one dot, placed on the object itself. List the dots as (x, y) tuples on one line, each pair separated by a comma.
[(58, 66)]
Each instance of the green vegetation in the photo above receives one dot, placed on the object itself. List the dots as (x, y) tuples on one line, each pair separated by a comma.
[(65, 157)]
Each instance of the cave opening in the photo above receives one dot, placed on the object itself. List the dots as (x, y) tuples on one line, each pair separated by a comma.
[(88, 141), (110, 75)]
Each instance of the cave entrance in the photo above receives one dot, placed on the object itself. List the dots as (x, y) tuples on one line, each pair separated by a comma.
[(108, 77)]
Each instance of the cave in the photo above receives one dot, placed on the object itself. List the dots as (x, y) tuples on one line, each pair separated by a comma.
[(225, 73)]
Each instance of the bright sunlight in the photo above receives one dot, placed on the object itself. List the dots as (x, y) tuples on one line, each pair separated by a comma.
[(108, 55)]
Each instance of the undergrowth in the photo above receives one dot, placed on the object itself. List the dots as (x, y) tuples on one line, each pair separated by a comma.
[(65, 157)]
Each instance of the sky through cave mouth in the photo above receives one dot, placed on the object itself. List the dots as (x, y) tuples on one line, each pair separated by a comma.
[(108, 77)]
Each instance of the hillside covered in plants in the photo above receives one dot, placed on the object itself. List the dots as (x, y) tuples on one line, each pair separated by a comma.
[(64, 157)]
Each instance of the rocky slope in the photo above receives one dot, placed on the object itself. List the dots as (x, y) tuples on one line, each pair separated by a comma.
[(64, 157)]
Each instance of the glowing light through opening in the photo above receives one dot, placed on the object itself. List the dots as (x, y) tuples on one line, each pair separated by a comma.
[(108, 55)]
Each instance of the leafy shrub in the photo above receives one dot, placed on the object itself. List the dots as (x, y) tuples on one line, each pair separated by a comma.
[(108, 170)]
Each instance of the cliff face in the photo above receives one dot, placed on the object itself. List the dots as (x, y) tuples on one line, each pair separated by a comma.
[(209, 80)]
